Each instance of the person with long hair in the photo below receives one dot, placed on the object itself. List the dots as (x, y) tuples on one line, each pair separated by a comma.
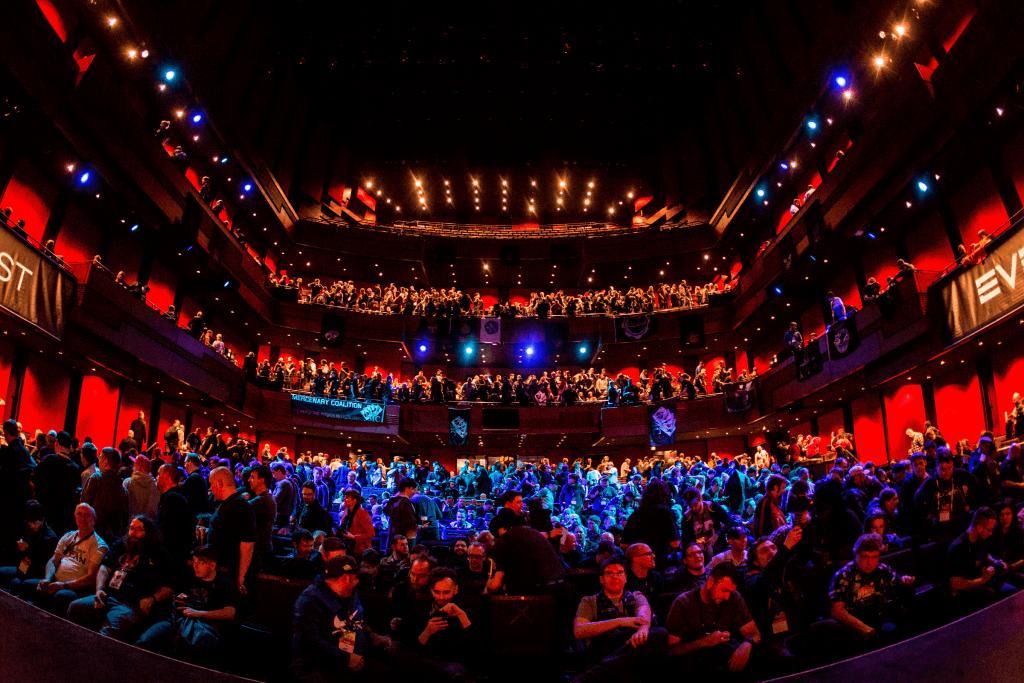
[(653, 522)]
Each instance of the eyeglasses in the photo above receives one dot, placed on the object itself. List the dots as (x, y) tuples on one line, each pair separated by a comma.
[(615, 573)]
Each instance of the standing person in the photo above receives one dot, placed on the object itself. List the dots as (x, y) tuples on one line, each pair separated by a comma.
[(402, 517), (653, 522), (105, 493), (232, 528), (57, 478), (284, 494), (265, 511), (15, 474), (143, 493), (355, 524), (138, 426), (195, 489), (174, 517)]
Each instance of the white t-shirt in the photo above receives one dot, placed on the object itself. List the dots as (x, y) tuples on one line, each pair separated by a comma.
[(75, 559)]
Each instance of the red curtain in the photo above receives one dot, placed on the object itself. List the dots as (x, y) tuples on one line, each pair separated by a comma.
[(904, 409), (726, 447), (162, 285), (868, 432), (830, 422), (30, 196), (958, 408), (79, 238), (133, 399), (977, 206)]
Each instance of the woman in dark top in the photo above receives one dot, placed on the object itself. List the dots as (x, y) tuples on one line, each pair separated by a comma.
[(1008, 540), (653, 522)]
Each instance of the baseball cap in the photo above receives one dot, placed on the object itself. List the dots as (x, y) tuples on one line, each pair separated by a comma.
[(339, 566)]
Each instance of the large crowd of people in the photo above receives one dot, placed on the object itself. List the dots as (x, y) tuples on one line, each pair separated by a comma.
[(440, 302), (538, 388), (712, 564)]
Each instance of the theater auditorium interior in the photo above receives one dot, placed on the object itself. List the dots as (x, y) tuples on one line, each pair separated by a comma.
[(478, 342)]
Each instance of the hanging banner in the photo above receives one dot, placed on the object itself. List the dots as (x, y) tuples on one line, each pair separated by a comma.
[(988, 290), (458, 427), (31, 287), (490, 330), (843, 338), (633, 327), (662, 423), (739, 396), (338, 408)]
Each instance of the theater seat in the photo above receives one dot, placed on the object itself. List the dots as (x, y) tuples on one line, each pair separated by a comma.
[(272, 599)]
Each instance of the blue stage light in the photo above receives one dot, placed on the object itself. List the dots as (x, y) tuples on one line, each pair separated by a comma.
[(423, 348), (196, 118), (922, 186), (84, 177), (583, 350), (841, 81), (529, 350), (170, 75), (135, 227)]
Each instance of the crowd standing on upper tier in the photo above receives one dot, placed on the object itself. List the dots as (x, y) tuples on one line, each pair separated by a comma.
[(712, 565)]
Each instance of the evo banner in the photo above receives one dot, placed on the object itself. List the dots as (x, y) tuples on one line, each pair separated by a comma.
[(458, 427), (338, 408), (31, 287), (662, 422), (987, 290)]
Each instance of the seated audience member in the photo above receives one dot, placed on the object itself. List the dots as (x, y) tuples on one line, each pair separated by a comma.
[(703, 522), (397, 561), (304, 562), (736, 537), (131, 584), (477, 575), (105, 492), (410, 592), (865, 596), (71, 572), (329, 633), (692, 574), (312, 515), (204, 604), (56, 479), (943, 502), (772, 602), (33, 548), (711, 627), (975, 577), (1008, 540), (438, 634), (615, 627), (355, 523), (641, 575)]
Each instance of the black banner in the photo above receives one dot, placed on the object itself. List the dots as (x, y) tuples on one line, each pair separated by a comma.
[(31, 287), (458, 427), (634, 327), (739, 397), (661, 419), (843, 338), (338, 408), (987, 290)]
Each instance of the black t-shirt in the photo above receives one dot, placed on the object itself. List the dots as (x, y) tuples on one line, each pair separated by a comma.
[(690, 617), (133, 577), (965, 559), (233, 523), (209, 595), (528, 560)]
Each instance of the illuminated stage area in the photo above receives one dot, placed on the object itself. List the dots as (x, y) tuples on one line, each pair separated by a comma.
[(397, 341)]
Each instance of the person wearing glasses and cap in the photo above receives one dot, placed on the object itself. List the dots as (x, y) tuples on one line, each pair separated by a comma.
[(330, 635)]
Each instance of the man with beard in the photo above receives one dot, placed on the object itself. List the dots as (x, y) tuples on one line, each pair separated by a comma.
[(312, 515), (130, 585)]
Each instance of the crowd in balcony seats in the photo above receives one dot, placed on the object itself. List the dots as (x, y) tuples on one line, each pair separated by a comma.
[(554, 387), (713, 564), (410, 300)]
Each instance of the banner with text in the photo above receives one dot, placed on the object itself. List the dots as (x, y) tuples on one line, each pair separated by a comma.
[(31, 287), (987, 290), (458, 427), (338, 408), (662, 422)]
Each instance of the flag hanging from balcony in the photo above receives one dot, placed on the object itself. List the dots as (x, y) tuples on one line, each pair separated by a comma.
[(490, 330), (662, 423), (458, 427), (843, 338)]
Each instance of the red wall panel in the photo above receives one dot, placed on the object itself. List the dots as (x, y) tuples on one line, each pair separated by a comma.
[(880, 262), (868, 430), (727, 447), (44, 397), (904, 408), (928, 246), (1013, 155), (169, 412), (958, 409), (1008, 369), (831, 421), (78, 239), (6, 386), (125, 254), (978, 207), (133, 399), (276, 440), (97, 411), (162, 285), (30, 195)]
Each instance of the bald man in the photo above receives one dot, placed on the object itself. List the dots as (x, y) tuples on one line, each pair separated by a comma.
[(232, 528)]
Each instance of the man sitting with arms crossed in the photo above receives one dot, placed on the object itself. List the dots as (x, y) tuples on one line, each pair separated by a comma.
[(71, 572), (711, 626), (615, 626)]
